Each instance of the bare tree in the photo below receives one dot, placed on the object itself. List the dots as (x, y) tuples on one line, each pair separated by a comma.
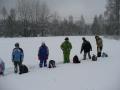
[(33, 11), (13, 13), (11, 23), (70, 19), (1, 3), (55, 23), (4, 13), (44, 18), (25, 14)]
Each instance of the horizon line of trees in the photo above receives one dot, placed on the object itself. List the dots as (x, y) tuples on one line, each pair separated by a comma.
[(32, 18)]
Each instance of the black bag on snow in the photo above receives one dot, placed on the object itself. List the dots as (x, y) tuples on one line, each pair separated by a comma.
[(94, 58), (104, 55), (51, 64), (76, 59), (23, 69)]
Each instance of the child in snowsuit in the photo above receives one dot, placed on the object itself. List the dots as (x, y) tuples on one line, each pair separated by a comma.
[(66, 48), (86, 47), (17, 57), (99, 44), (43, 55), (2, 67)]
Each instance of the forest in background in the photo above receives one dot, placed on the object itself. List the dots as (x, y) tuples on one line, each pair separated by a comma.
[(33, 18)]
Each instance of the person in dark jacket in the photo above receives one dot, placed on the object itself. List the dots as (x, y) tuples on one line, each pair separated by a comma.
[(43, 55), (17, 57), (86, 47)]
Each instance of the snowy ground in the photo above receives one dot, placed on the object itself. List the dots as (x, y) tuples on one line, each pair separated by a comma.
[(88, 75)]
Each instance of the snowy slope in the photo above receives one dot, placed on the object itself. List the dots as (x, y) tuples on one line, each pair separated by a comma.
[(101, 75)]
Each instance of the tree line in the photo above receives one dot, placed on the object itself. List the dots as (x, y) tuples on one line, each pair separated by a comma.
[(32, 18)]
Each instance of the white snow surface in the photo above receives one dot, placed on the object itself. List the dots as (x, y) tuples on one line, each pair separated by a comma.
[(103, 74)]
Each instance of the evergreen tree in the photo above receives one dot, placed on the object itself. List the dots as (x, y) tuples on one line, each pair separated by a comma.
[(112, 14), (95, 28)]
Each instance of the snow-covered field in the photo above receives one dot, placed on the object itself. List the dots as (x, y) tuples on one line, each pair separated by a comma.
[(88, 75)]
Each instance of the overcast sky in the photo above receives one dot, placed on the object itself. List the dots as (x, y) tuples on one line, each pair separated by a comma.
[(88, 8)]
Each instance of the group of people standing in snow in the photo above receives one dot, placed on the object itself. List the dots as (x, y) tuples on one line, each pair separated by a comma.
[(43, 53), (86, 47)]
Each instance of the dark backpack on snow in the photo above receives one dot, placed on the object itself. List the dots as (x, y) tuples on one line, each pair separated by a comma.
[(94, 58), (51, 64), (23, 69), (76, 59)]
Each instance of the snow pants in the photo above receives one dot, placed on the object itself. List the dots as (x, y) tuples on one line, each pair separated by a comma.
[(99, 50), (85, 54), (66, 57), (16, 65), (43, 62)]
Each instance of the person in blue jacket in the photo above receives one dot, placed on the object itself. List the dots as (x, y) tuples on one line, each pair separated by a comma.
[(43, 54), (17, 57)]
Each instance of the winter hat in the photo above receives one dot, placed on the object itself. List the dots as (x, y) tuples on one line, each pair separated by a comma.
[(83, 38), (43, 43), (66, 38), (96, 36), (16, 44)]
